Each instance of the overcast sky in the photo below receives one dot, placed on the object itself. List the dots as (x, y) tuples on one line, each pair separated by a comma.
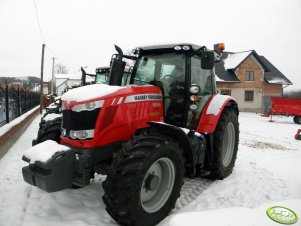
[(83, 32)]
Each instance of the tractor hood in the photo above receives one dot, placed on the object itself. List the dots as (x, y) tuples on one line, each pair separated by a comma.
[(89, 92), (98, 93)]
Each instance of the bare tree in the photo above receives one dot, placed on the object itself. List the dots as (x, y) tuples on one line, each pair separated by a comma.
[(61, 69)]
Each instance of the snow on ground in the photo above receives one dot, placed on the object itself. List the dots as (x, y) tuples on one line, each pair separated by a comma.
[(267, 173)]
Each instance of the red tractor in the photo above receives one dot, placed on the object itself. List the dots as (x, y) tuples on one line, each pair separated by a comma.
[(169, 123)]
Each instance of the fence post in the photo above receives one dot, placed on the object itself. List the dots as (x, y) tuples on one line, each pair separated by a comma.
[(6, 103), (18, 101), (25, 104)]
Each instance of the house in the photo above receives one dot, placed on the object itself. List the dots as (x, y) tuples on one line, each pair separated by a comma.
[(46, 87), (64, 82), (250, 78)]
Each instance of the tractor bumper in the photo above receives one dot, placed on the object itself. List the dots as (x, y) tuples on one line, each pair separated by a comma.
[(54, 174)]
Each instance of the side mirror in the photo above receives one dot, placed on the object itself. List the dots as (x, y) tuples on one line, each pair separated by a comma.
[(207, 60)]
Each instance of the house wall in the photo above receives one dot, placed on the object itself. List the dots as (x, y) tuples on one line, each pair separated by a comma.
[(63, 83), (259, 86), (46, 88)]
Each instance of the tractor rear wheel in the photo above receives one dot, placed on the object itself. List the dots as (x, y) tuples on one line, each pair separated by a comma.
[(225, 145), (144, 181), (297, 119), (49, 130)]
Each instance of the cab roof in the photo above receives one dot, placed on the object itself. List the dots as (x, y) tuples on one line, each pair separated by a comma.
[(167, 47)]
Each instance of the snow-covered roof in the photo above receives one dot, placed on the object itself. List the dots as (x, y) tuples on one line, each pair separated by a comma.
[(67, 76), (233, 60), (230, 61)]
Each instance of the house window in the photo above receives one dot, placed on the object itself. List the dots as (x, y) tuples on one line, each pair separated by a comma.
[(249, 76), (226, 92), (249, 95)]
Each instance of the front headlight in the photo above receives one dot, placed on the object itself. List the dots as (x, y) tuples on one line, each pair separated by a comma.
[(81, 134), (88, 106)]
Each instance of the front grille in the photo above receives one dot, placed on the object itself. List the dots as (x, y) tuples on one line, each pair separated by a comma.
[(84, 120)]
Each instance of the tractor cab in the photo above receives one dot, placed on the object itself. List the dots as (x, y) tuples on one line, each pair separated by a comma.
[(185, 75), (102, 75)]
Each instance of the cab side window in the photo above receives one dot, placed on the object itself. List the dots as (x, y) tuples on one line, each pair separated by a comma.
[(203, 79)]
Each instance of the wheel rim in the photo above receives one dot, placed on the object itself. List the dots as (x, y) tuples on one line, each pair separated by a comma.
[(228, 144), (157, 185)]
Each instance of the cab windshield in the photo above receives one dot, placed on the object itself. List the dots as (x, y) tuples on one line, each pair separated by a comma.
[(102, 77), (168, 71), (158, 67)]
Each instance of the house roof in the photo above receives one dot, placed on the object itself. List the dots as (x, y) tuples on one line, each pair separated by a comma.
[(230, 61), (273, 75)]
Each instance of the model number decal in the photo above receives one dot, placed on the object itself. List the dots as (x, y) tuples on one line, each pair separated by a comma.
[(142, 97)]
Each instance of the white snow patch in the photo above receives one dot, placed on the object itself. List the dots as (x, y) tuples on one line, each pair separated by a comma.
[(51, 106), (265, 174), (216, 104), (90, 92), (233, 216), (234, 59), (58, 98), (16, 121), (218, 79), (51, 117), (278, 81), (44, 151)]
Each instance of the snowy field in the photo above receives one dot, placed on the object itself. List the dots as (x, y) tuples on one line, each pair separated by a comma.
[(267, 173)]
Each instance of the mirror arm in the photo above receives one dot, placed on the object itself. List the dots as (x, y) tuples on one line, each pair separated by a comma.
[(130, 57), (203, 49)]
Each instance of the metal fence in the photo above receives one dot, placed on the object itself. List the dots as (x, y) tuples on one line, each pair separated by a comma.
[(15, 101)]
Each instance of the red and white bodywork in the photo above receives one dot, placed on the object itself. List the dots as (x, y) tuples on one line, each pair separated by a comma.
[(124, 110)]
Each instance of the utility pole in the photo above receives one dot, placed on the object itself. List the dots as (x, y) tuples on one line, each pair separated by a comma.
[(52, 79), (41, 83)]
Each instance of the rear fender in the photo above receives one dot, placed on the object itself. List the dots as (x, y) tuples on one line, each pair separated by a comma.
[(212, 112)]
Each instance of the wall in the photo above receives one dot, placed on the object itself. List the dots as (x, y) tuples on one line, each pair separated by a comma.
[(8, 139)]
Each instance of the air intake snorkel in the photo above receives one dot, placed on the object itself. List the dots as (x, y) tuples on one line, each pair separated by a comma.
[(117, 68)]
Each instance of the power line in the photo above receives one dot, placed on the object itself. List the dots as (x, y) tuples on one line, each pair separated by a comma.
[(38, 20), (62, 60)]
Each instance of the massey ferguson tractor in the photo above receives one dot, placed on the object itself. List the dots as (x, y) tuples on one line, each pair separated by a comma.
[(167, 124), (51, 129)]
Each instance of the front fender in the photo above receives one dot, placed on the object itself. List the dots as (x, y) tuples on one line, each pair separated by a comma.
[(179, 134), (212, 112)]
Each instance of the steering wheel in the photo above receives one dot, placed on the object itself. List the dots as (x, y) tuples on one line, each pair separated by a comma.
[(166, 76)]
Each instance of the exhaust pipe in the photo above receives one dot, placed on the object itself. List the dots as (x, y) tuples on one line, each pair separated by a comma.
[(117, 68)]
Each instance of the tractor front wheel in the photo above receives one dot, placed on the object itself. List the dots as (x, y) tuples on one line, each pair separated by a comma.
[(50, 130), (144, 181), (225, 145)]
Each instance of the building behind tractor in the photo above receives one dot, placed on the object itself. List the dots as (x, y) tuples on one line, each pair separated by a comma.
[(167, 124)]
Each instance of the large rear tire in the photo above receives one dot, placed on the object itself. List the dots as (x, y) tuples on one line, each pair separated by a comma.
[(225, 145), (144, 181), (49, 130)]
